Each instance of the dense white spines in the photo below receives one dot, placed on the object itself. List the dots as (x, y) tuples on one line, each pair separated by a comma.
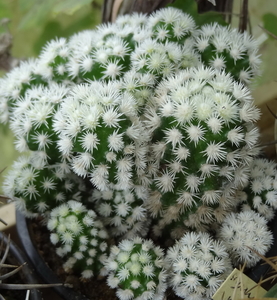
[(53, 59), (107, 119), (171, 24), (241, 232), (80, 237), (14, 84), (37, 188), (123, 212), (147, 101), (31, 119), (225, 48), (198, 266), (161, 60), (106, 55), (202, 141), (260, 194), (137, 270)]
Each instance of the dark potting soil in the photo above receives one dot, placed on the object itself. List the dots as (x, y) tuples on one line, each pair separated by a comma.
[(92, 289)]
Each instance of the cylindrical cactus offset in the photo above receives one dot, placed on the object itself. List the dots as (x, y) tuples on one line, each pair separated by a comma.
[(102, 136), (137, 270), (122, 211), (37, 188), (242, 232), (14, 85), (53, 59), (162, 60), (104, 53), (203, 142), (168, 47), (227, 49), (197, 266), (260, 194), (171, 25), (107, 59), (80, 238), (31, 120)]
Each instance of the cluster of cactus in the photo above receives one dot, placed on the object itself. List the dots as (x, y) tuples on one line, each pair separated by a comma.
[(137, 129)]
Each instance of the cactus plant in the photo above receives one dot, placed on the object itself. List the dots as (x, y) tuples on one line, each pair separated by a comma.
[(225, 48), (137, 129), (260, 194), (80, 238), (198, 266), (32, 118), (136, 268), (37, 188), (203, 140), (101, 134), (242, 232)]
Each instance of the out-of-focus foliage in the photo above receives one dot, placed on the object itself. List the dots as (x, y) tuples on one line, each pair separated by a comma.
[(270, 23), (34, 22), (62, 17), (39, 11)]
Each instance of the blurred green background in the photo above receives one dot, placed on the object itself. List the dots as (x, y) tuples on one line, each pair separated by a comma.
[(33, 22)]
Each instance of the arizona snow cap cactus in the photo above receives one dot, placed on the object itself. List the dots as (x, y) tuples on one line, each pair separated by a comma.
[(227, 49), (137, 270), (168, 48), (53, 60), (81, 237), (260, 194), (203, 141), (171, 25), (37, 188), (241, 232), (14, 85), (198, 266), (32, 120), (104, 53), (122, 212), (101, 135)]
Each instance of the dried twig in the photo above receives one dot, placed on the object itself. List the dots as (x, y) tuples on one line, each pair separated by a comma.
[(24, 286), (9, 274), (268, 32)]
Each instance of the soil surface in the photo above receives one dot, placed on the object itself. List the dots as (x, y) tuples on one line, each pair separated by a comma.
[(92, 289)]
